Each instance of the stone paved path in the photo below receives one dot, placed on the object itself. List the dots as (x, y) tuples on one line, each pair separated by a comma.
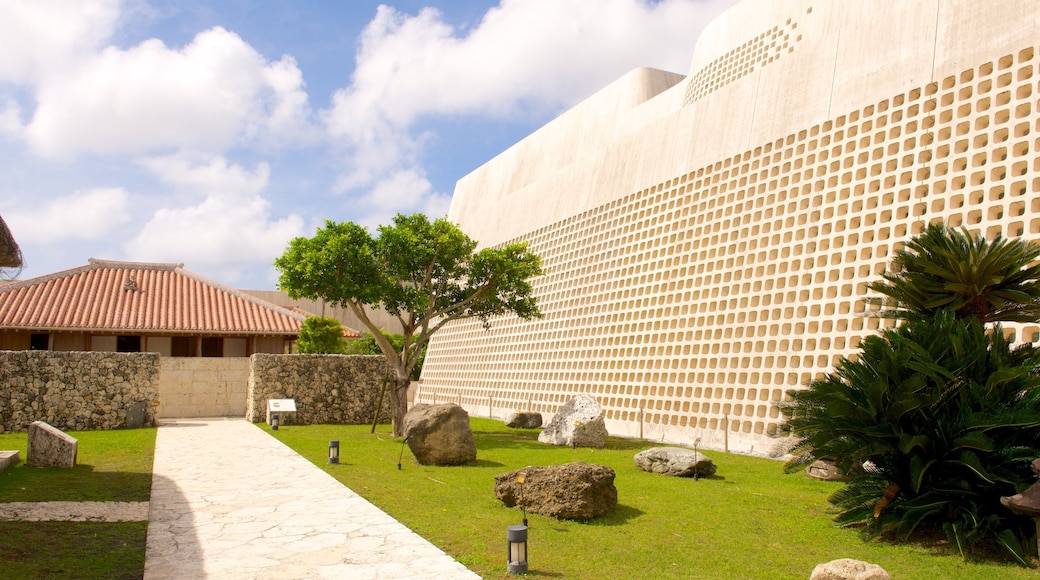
[(231, 502)]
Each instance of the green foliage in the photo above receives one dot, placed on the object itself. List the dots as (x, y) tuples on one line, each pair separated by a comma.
[(945, 416), (946, 269), (367, 345), (427, 274), (321, 335)]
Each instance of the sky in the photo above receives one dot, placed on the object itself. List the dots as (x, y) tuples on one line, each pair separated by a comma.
[(210, 133)]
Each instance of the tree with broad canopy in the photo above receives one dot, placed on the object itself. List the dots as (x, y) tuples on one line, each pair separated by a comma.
[(424, 273)]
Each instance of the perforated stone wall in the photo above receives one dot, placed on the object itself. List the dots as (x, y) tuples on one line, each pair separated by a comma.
[(691, 306)]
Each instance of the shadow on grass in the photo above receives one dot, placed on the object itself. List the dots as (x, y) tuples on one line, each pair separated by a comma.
[(80, 483)]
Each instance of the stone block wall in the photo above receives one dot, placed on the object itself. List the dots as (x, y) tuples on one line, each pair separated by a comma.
[(334, 389), (75, 391), (203, 387)]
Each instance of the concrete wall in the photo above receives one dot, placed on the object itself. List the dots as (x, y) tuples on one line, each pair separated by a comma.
[(203, 387), (707, 241), (75, 391), (327, 388)]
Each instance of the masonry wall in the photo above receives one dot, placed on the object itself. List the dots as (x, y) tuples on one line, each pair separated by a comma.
[(75, 391), (333, 389), (203, 387), (706, 248)]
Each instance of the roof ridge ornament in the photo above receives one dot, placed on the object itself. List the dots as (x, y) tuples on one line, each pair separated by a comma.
[(131, 284)]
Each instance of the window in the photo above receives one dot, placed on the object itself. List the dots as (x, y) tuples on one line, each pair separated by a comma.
[(182, 346), (213, 347), (128, 344), (39, 341)]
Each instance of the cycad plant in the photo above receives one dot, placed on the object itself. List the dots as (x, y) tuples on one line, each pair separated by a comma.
[(936, 419), (946, 269)]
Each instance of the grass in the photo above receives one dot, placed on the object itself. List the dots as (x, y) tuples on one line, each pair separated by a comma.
[(749, 521), (111, 466)]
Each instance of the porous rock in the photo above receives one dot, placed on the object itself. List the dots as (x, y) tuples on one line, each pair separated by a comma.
[(675, 461), (50, 447), (440, 434), (524, 420), (578, 423), (824, 469), (849, 569), (573, 491)]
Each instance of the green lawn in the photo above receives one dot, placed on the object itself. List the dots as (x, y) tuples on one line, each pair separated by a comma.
[(749, 521), (111, 466)]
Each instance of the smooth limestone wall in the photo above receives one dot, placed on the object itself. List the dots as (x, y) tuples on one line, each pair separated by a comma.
[(707, 244), (75, 391), (203, 386)]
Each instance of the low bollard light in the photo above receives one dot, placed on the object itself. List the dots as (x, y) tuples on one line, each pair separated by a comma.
[(274, 421), (333, 451), (516, 539)]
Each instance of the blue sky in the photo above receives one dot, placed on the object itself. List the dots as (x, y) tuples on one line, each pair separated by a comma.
[(211, 133)]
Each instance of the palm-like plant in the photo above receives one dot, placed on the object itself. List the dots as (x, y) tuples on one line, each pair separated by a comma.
[(946, 418), (947, 269), (936, 419)]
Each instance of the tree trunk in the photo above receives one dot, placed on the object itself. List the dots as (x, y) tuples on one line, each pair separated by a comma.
[(401, 403)]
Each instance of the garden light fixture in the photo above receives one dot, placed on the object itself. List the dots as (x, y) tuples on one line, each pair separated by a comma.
[(333, 452)]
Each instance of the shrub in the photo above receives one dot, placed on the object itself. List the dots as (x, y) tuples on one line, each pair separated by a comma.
[(935, 420), (320, 335)]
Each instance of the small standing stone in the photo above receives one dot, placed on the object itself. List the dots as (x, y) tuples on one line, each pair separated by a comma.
[(826, 470), (50, 447)]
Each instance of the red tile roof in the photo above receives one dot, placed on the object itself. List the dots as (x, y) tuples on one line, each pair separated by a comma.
[(135, 296)]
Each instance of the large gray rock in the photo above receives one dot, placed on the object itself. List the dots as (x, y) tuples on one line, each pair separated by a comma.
[(524, 420), (50, 447), (675, 461), (849, 569), (578, 423), (573, 491), (440, 434)]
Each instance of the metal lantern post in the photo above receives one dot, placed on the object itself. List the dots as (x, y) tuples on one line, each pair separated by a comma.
[(333, 452), (516, 540)]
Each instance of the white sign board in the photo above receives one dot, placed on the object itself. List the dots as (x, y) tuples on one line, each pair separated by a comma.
[(281, 405)]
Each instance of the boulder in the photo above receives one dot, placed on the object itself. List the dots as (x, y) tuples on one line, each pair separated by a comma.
[(849, 569), (578, 423), (573, 491), (524, 420), (440, 434), (50, 447), (826, 470), (675, 461)]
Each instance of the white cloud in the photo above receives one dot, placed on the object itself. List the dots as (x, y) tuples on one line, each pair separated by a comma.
[(214, 93), (405, 191), (48, 37), (212, 176), (524, 57), (83, 215), (229, 230)]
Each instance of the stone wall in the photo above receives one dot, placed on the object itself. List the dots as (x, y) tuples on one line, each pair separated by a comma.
[(203, 387), (75, 391), (334, 389)]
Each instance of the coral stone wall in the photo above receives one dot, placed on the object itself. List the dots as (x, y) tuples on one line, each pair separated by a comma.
[(334, 389), (75, 391)]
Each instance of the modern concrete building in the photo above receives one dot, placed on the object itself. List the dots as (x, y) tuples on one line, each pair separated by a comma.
[(707, 238)]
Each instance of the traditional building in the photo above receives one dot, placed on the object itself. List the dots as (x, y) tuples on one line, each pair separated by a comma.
[(707, 238), (141, 307)]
